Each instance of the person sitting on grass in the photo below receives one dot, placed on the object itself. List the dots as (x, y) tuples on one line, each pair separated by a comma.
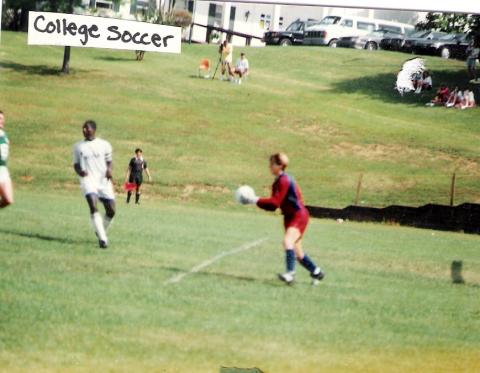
[(468, 100), (423, 82), (441, 98), (242, 67), (455, 98)]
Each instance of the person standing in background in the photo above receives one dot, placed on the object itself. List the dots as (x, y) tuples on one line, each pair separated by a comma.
[(135, 174), (226, 56)]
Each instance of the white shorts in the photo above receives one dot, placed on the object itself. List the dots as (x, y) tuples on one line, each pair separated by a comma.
[(4, 175), (102, 188)]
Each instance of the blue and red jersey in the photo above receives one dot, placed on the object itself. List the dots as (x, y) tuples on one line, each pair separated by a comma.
[(286, 195)]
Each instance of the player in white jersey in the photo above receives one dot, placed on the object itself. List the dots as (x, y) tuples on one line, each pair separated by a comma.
[(6, 188), (92, 161)]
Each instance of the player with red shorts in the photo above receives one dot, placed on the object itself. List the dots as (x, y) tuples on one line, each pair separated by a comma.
[(286, 196)]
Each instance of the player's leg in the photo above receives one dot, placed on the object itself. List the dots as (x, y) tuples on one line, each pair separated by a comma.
[(138, 181), (129, 193), (107, 197), (97, 220), (315, 271), (292, 235), (6, 193), (110, 210)]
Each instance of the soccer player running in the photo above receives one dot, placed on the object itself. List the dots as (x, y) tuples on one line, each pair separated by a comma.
[(135, 174), (287, 196), (92, 161), (6, 188)]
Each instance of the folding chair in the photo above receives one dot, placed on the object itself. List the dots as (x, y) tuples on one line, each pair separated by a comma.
[(204, 69)]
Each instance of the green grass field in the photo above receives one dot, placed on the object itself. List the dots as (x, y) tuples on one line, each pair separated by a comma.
[(333, 111), (387, 304)]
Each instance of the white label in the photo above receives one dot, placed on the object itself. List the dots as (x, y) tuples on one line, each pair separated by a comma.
[(96, 32)]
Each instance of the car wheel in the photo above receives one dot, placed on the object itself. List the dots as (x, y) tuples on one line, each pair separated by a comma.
[(285, 42), (445, 53), (371, 46), (333, 43)]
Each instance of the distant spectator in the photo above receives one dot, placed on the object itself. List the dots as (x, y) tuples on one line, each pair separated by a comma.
[(441, 98), (423, 82), (242, 67), (468, 100), (226, 55), (455, 98), (473, 52)]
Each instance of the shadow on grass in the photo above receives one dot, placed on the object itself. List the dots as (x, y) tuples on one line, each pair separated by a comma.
[(113, 58), (272, 282), (36, 69), (42, 237), (381, 87)]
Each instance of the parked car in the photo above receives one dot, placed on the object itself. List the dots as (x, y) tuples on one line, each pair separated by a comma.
[(293, 34), (450, 46), (395, 42), (432, 45), (410, 43), (332, 28), (370, 41)]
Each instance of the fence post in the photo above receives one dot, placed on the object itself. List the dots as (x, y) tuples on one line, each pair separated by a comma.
[(359, 187), (452, 189)]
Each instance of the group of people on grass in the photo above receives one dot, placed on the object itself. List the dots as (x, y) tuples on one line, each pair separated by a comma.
[(234, 73), (456, 98)]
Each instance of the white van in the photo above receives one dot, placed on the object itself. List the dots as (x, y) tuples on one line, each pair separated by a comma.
[(333, 28)]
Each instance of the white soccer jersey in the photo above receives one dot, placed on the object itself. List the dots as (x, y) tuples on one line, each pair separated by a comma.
[(92, 156)]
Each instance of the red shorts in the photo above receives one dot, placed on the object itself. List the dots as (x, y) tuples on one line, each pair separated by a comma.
[(299, 220)]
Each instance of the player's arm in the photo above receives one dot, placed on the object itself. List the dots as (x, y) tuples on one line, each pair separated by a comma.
[(147, 171), (79, 171), (76, 163), (278, 195), (127, 174), (109, 173), (109, 160)]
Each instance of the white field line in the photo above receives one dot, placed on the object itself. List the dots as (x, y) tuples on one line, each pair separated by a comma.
[(216, 258)]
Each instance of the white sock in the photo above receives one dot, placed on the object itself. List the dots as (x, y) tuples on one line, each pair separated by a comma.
[(97, 223), (107, 222)]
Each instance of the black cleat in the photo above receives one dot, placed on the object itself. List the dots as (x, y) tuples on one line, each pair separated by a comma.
[(102, 244), (317, 276), (288, 278)]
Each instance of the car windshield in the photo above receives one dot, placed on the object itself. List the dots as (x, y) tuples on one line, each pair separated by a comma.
[(409, 32), (295, 26), (419, 34), (377, 33), (450, 37), (438, 35), (330, 20)]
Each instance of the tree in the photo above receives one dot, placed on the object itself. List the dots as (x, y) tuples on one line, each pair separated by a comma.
[(446, 22)]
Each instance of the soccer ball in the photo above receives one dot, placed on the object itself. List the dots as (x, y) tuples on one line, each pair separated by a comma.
[(244, 194)]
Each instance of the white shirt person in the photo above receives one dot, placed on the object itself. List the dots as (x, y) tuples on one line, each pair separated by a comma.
[(92, 161), (242, 67)]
